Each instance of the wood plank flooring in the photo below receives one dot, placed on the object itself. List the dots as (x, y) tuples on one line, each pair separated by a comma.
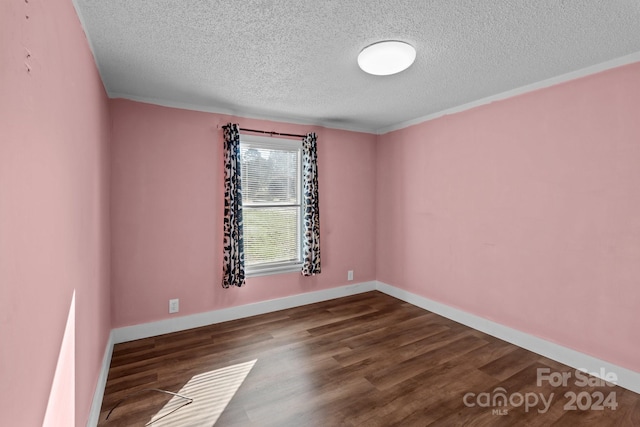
[(363, 360)]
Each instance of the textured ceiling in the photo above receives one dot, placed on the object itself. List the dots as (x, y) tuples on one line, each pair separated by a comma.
[(296, 60)]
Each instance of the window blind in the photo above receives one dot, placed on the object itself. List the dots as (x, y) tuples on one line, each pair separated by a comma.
[(271, 202)]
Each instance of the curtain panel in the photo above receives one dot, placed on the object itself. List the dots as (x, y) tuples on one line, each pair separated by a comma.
[(233, 261), (311, 238)]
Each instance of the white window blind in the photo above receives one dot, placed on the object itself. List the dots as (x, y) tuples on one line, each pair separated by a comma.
[(271, 200)]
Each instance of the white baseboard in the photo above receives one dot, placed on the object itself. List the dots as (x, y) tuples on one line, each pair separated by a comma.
[(626, 378), (145, 330), (96, 404)]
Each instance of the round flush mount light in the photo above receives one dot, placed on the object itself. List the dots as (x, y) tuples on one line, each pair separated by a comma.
[(386, 57)]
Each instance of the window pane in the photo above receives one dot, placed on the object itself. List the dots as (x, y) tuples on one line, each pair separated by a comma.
[(269, 175), (271, 234)]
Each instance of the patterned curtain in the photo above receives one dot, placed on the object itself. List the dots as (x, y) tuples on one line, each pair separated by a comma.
[(311, 238), (233, 263)]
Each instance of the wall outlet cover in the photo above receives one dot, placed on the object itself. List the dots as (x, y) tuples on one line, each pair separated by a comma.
[(174, 305)]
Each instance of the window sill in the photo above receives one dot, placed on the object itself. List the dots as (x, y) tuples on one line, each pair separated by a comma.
[(280, 269)]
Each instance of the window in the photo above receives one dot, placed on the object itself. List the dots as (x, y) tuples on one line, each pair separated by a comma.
[(271, 204)]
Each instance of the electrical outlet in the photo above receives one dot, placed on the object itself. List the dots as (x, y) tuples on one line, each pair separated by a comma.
[(350, 275), (174, 305)]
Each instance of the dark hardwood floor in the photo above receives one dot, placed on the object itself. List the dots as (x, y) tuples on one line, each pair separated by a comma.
[(364, 360)]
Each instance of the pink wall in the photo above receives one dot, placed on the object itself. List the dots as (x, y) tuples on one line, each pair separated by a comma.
[(166, 192), (525, 212), (54, 232)]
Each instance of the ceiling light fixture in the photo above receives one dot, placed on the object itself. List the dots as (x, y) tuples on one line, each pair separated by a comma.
[(386, 57)]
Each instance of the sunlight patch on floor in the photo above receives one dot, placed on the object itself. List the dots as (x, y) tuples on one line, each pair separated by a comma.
[(211, 393)]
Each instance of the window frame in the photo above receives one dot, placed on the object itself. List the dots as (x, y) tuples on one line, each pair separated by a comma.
[(272, 143)]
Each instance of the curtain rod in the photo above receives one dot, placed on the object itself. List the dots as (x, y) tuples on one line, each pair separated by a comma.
[(271, 133)]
